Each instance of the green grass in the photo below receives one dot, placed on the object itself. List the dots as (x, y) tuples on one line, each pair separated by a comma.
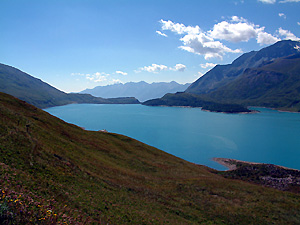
[(55, 172)]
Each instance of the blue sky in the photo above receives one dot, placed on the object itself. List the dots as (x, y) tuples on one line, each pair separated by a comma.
[(74, 45)]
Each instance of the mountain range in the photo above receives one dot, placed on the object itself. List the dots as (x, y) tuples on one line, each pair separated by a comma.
[(140, 90), (36, 92), (53, 172), (267, 78)]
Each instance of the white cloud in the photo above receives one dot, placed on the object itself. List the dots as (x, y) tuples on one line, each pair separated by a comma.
[(196, 41), (282, 15), (199, 74), (238, 19), (274, 1), (116, 81), (267, 1), (96, 77), (208, 65), (202, 44), (122, 73), (298, 23), (288, 35), (286, 1), (237, 29), (241, 30), (77, 74), (209, 44), (179, 28), (234, 32), (264, 38), (162, 34), (154, 68), (179, 67)]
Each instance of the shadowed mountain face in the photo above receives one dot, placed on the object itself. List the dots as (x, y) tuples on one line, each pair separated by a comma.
[(268, 78), (275, 85), (41, 94), (141, 90), (56, 172), (221, 75)]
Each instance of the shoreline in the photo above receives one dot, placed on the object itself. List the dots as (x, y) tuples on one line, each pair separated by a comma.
[(231, 163), (205, 110), (251, 112)]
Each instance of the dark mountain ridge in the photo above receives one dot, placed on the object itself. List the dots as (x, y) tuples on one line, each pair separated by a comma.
[(274, 85), (223, 74), (36, 92)]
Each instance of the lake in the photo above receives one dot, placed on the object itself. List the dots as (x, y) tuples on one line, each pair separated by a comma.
[(195, 135)]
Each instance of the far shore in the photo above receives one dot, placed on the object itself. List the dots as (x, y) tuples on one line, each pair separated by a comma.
[(206, 110), (251, 112)]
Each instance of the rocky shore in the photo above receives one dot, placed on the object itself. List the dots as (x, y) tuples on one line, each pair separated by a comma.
[(269, 175)]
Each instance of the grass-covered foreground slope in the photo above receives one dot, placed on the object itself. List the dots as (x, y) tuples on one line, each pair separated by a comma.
[(54, 172)]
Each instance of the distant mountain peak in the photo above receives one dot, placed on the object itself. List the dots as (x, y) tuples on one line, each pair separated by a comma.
[(141, 90)]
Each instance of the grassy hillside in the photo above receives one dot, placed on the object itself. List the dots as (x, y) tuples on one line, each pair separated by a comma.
[(42, 95), (55, 172)]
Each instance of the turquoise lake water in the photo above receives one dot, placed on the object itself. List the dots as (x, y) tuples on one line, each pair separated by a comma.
[(195, 135)]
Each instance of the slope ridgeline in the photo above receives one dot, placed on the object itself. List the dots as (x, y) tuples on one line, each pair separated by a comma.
[(38, 93)]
